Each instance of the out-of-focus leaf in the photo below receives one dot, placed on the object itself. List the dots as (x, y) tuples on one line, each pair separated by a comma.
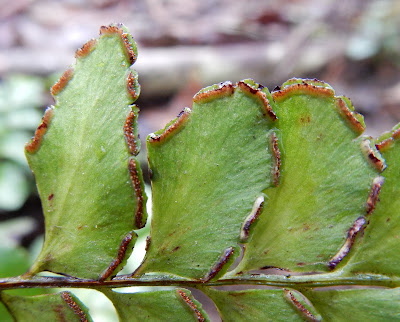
[(13, 186), (90, 187), (170, 305), (12, 147), (20, 91)]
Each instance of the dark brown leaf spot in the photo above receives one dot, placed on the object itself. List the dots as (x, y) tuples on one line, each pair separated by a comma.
[(50, 197), (176, 249)]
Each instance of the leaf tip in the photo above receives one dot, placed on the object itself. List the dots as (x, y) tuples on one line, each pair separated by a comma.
[(125, 39)]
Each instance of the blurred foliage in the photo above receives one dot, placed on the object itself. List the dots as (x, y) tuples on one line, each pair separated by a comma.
[(377, 32), (20, 99)]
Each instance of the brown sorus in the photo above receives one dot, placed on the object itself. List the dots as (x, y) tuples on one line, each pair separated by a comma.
[(303, 88), (191, 304), (36, 141), (219, 265), (173, 128), (74, 306), (224, 89), (116, 262), (349, 116), (86, 49), (62, 82), (138, 191), (129, 135), (351, 236)]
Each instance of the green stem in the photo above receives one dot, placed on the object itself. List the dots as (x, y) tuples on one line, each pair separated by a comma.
[(309, 281)]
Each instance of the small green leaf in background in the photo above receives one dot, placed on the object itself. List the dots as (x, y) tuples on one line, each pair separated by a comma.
[(20, 99), (82, 156)]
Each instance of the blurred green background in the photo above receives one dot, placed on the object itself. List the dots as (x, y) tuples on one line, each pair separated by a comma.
[(183, 46)]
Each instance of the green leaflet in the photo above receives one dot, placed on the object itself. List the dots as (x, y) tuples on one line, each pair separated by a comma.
[(91, 190), (254, 305), (208, 167), (324, 186), (377, 304), (168, 305), (50, 307), (377, 250)]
